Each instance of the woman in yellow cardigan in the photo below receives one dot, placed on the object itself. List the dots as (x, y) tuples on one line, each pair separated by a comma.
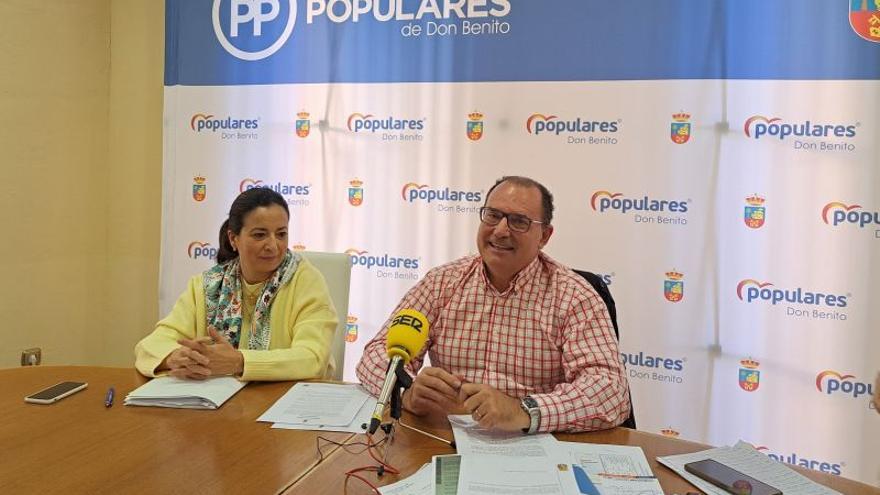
[(262, 313)]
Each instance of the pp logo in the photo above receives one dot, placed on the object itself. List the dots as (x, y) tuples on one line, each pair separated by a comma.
[(264, 37)]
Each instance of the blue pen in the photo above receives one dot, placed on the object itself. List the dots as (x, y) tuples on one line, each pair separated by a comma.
[(108, 401)]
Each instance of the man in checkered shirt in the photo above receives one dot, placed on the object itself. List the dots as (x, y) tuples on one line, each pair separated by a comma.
[(517, 340)]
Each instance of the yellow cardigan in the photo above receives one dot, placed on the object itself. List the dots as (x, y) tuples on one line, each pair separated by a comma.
[(302, 323)]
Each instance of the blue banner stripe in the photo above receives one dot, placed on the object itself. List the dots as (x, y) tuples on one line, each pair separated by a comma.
[(546, 40)]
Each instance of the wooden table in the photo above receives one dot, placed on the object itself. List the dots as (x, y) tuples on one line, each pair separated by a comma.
[(410, 450), (79, 446)]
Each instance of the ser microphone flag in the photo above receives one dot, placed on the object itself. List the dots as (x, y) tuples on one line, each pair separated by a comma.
[(406, 338)]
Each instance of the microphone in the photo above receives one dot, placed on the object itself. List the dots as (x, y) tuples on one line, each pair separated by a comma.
[(406, 338)]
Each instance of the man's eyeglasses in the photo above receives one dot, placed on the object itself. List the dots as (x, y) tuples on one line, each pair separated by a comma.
[(516, 222)]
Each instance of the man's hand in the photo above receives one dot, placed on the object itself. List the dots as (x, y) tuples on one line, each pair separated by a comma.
[(493, 409), (434, 389), (198, 359)]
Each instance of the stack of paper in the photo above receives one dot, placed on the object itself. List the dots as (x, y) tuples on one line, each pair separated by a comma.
[(493, 462), (611, 469), (322, 406), (747, 460), (593, 469), (166, 391)]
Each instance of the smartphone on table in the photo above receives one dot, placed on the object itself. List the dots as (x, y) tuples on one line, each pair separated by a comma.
[(729, 479), (56, 392)]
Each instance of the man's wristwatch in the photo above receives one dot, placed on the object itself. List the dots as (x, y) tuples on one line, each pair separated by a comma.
[(530, 406)]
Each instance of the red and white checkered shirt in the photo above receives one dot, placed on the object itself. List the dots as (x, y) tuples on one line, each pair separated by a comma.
[(548, 336)]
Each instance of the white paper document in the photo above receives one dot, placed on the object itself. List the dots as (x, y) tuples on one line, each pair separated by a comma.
[(610, 469), (318, 404), (167, 391), (482, 475), (470, 438), (747, 460), (420, 483), (358, 425)]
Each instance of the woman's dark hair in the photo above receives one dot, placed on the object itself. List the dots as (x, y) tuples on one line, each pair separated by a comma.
[(245, 203)]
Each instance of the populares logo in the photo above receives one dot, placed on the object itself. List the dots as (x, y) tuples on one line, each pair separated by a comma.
[(804, 135), (279, 187), (207, 122), (412, 192), (799, 460), (864, 19), (830, 382), (749, 376), (654, 367), (680, 129), (201, 250), (837, 213), (358, 122), (754, 291), (653, 361), (339, 11), (295, 194), (644, 210), (368, 261), (606, 201), (758, 126), (797, 302), (253, 29), (755, 212), (574, 129)]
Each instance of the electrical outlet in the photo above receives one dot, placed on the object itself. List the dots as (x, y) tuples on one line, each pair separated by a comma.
[(31, 357)]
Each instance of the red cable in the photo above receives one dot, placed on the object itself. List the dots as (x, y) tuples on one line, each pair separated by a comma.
[(351, 474), (387, 468), (371, 450)]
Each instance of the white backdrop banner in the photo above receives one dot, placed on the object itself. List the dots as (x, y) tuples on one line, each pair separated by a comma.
[(716, 162)]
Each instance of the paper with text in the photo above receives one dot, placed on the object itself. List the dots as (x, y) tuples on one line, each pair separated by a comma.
[(471, 438), (610, 469), (358, 425), (322, 404), (482, 475)]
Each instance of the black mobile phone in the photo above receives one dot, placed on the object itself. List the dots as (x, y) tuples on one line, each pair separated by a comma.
[(56, 392), (729, 479)]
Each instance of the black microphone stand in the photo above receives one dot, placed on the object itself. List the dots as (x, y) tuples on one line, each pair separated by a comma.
[(403, 383)]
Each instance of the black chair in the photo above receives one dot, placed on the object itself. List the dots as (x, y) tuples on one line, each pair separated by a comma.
[(602, 289)]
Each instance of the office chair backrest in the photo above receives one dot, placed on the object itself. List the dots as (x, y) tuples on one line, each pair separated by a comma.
[(336, 268), (602, 289)]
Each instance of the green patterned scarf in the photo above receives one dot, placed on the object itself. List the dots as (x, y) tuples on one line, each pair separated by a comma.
[(223, 297)]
